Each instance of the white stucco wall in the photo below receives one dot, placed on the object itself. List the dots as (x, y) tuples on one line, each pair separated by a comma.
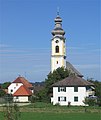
[(61, 45), (58, 56), (14, 87), (20, 99), (69, 94)]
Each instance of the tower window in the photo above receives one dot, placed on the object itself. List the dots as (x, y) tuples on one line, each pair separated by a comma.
[(57, 62), (56, 41), (57, 49)]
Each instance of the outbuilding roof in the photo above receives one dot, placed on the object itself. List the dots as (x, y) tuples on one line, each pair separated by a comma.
[(73, 80), (23, 81), (22, 91)]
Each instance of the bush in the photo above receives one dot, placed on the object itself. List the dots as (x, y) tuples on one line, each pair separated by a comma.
[(91, 101)]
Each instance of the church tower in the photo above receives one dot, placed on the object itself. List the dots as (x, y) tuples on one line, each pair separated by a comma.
[(58, 52)]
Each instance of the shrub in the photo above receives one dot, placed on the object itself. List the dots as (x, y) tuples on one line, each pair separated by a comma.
[(91, 101)]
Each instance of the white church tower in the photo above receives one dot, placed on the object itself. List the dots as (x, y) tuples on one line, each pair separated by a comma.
[(58, 53)]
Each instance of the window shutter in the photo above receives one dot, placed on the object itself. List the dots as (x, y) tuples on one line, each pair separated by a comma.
[(58, 98), (65, 89), (64, 98), (58, 89)]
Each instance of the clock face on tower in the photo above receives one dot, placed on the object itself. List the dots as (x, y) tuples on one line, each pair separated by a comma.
[(56, 41)]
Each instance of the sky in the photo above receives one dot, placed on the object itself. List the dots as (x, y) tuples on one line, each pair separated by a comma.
[(25, 37)]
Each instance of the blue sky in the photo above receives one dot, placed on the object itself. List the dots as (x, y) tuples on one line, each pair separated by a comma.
[(25, 37)]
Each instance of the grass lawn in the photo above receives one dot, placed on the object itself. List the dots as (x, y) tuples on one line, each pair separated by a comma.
[(57, 116), (44, 111)]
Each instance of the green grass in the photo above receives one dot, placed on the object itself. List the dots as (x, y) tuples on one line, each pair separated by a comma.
[(46, 111), (57, 116)]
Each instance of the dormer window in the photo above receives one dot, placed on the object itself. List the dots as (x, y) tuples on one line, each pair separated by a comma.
[(57, 49)]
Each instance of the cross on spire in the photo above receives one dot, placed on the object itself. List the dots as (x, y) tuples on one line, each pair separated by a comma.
[(58, 11)]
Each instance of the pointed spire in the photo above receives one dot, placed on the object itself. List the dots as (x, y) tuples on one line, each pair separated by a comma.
[(58, 11), (58, 25)]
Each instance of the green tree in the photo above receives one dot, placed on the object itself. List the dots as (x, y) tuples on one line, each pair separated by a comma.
[(57, 75), (5, 85), (97, 85), (11, 112), (90, 101), (2, 93)]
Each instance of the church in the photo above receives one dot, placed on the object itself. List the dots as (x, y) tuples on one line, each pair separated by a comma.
[(73, 89)]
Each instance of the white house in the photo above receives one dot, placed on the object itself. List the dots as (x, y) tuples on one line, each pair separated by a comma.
[(73, 90), (21, 90)]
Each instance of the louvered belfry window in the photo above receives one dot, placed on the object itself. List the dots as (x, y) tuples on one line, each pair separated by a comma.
[(57, 49)]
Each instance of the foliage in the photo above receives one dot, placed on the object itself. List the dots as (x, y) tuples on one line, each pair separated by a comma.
[(2, 93), (5, 85), (57, 75), (9, 98), (97, 85), (90, 101), (12, 112), (99, 101)]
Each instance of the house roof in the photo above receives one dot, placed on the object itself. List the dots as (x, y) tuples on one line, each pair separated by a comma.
[(23, 81), (73, 80), (70, 67), (22, 91)]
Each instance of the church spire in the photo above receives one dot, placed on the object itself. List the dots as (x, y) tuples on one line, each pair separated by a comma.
[(57, 11), (57, 31), (58, 52)]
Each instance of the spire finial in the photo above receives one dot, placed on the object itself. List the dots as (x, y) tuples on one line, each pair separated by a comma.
[(57, 11)]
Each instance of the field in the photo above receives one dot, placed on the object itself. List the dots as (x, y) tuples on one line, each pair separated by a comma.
[(57, 116), (42, 111)]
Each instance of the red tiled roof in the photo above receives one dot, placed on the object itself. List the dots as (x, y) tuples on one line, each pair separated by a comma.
[(22, 91), (23, 81)]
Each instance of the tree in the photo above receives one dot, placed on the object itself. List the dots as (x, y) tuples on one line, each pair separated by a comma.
[(90, 101), (2, 93), (97, 89), (12, 112), (57, 75), (5, 85)]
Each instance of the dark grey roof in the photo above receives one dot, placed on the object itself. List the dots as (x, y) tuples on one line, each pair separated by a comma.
[(58, 28), (58, 19), (71, 68), (73, 80)]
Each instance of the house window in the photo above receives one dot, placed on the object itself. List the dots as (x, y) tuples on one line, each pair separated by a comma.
[(75, 99), (11, 90), (61, 89), (57, 49), (75, 89), (57, 62), (62, 98), (16, 84), (16, 97)]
